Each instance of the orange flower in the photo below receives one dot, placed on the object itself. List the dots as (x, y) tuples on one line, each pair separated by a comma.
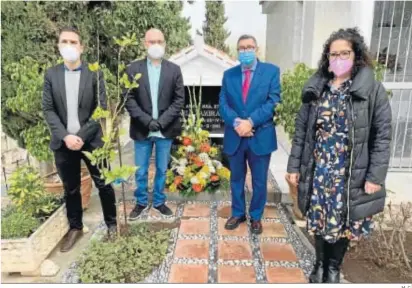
[(205, 147), (198, 162), (197, 188), (214, 178), (178, 180), (187, 141)]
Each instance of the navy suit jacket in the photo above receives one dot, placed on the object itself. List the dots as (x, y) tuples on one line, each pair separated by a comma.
[(263, 95)]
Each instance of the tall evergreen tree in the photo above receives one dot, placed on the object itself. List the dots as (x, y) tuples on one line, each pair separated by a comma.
[(214, 31)]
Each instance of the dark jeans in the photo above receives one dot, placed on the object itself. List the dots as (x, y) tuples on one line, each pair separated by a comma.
[(68, 166), (143, 151)]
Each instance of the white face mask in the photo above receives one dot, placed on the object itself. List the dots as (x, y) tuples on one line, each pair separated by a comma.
[(156, 51), (69, 53)]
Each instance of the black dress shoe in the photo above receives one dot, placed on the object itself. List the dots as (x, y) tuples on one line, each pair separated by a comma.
[(72, 236), (234, 222), (164, 210), (256, 226), (137, 210)]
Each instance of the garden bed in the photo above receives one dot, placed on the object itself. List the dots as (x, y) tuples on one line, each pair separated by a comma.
[(359, 266), (136, 257), (26, 254)]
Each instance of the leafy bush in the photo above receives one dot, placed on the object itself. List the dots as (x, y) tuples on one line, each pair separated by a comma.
[(17, 224), (27, 192), (125, 259), (292, 85)]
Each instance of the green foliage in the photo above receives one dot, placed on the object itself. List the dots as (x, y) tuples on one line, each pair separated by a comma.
[(126, 259), (214, 31), (17, 224), (27, 192), (292, 85), (108, 118), (30, 29)]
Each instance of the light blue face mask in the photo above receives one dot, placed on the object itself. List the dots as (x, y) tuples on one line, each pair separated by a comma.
[(247, 57)]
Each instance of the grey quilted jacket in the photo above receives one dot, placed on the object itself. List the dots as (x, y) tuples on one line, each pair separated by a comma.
[(370, 134)]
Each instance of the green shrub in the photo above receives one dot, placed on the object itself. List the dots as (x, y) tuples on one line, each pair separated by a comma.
[(125, 259), (27, 192), (17, 224), (292, 85)]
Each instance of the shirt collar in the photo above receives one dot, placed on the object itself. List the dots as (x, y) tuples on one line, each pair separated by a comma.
[(251, 68), (79, 68), (149, 62)]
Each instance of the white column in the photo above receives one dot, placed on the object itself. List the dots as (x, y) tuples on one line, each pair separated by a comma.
[(362, 17)]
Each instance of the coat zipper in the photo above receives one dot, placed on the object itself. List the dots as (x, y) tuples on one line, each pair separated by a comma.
[(351, 159)]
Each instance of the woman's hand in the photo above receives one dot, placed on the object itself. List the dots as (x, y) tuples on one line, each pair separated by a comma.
[(371, 188), (293, 178)]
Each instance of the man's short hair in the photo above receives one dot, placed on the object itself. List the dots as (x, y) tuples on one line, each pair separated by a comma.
[(71, 29), (247, 36)]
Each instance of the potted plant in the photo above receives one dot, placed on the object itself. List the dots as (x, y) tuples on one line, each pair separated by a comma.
[(28, 75), (32, 225), (195, 167)]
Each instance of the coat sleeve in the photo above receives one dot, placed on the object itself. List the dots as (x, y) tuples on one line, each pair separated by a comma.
[(52, 119), (298, 142), (178, 101), (380, 138), (226, 112), (266, 111), (132, 106)]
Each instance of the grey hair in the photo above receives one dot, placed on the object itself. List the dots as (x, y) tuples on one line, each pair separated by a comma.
[(246, 36)]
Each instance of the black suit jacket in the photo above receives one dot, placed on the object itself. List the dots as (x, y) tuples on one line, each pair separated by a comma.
[(55, 105), (171, 100)]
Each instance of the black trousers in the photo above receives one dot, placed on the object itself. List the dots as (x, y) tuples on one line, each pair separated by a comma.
[(68, 163)]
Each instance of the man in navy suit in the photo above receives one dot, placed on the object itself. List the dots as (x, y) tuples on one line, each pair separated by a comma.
[(249, 94)]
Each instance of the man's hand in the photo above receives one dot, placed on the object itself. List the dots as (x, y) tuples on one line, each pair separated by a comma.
[(73, 142), (154, 126), (244, 128), (371, 188), (293, 178)]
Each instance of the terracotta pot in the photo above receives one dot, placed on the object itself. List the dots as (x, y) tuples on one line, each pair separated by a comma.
[(85, 187), (293, 191)]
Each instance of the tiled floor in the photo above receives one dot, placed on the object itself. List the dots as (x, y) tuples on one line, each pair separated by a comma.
[(202, 251)]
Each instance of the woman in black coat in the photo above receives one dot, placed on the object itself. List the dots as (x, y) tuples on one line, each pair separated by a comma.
[(340, 151)]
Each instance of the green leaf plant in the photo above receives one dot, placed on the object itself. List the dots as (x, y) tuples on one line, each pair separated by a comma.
[(109, 119)]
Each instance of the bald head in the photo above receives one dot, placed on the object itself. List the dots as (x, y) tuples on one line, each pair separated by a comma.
[(154, 34)]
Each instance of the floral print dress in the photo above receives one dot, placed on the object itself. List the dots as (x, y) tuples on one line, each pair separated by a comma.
[(327, 215)]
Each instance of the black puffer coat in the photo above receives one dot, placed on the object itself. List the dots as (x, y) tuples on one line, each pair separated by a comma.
[(370, 134)]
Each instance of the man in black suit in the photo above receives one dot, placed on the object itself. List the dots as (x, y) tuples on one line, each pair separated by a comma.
[(69, 99), (154, 108)]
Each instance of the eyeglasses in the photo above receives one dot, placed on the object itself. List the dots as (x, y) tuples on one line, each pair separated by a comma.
[(343, 55), (153, 42), (246, 49)]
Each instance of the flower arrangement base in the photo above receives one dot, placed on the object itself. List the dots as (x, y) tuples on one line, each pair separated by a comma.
[(26, 255)]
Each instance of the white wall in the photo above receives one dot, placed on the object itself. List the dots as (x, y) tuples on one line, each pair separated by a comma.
[(319, 20), (279, 35)]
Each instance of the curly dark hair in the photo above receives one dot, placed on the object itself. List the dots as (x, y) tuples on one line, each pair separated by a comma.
[(362, 57)]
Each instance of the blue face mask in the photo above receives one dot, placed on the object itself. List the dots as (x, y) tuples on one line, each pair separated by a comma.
[(247, 57)]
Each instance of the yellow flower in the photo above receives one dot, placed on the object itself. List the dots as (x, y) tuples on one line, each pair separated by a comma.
[(172, 188), (213, 151), (224, 173)]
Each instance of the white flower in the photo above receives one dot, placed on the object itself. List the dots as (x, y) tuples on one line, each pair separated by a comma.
[(183, 162), (212, 169), (203, 175), (204, 157), (217, 164), (194, 180), (181, 170), (190, 148)]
